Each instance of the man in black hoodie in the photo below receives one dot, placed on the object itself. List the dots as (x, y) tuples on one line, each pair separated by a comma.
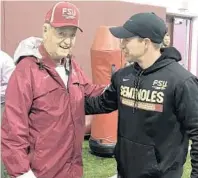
[(157, 102)]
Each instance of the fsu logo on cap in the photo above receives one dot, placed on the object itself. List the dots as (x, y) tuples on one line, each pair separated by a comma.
[(69, 13)]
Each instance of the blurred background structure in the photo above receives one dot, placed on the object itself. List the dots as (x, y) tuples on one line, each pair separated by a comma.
[(21, 19)]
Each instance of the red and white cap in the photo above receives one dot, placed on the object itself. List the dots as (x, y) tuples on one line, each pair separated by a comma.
[(63, 14)]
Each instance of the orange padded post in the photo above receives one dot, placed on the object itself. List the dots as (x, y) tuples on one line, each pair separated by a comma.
[(105, 56)]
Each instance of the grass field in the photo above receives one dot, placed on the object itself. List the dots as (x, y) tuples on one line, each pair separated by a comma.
[(96, 167)]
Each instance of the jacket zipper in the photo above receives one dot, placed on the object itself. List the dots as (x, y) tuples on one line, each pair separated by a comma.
[(74, 144), (68, 74), (68, 82)]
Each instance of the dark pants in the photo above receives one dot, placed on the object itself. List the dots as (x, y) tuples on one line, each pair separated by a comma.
[(171, 174), (174, 173)]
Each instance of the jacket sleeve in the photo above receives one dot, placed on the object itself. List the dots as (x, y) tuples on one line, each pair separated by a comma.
[(187, 109), (15, 124), (104, 103), (92, 89)]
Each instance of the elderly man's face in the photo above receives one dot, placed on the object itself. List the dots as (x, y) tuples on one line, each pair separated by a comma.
[(59, 41)]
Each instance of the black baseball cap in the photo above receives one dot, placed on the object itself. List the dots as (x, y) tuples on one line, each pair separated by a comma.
[(144, 25)]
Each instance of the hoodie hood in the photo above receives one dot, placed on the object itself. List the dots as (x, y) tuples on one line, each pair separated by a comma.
[(169, 55), (28, 47)]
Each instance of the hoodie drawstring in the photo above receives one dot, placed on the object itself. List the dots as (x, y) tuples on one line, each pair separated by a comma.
[(137, 87)]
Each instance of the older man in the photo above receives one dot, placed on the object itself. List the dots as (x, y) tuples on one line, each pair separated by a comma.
[(43, 126)]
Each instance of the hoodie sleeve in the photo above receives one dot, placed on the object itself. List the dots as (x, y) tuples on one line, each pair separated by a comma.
[(187, 109), (106, 102), (15, 124)]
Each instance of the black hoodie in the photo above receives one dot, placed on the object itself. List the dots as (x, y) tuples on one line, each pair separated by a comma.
[(158, 113)]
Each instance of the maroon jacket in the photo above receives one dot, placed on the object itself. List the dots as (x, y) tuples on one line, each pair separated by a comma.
[(43, 123)]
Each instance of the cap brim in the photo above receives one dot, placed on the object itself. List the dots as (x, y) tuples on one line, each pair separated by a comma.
[(65, 25), (121, 32)]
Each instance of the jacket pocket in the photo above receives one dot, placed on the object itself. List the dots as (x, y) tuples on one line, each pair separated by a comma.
[(37, 162), (136, 160)]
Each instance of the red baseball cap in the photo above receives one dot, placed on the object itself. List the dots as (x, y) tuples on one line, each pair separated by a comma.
[(63, 14)]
